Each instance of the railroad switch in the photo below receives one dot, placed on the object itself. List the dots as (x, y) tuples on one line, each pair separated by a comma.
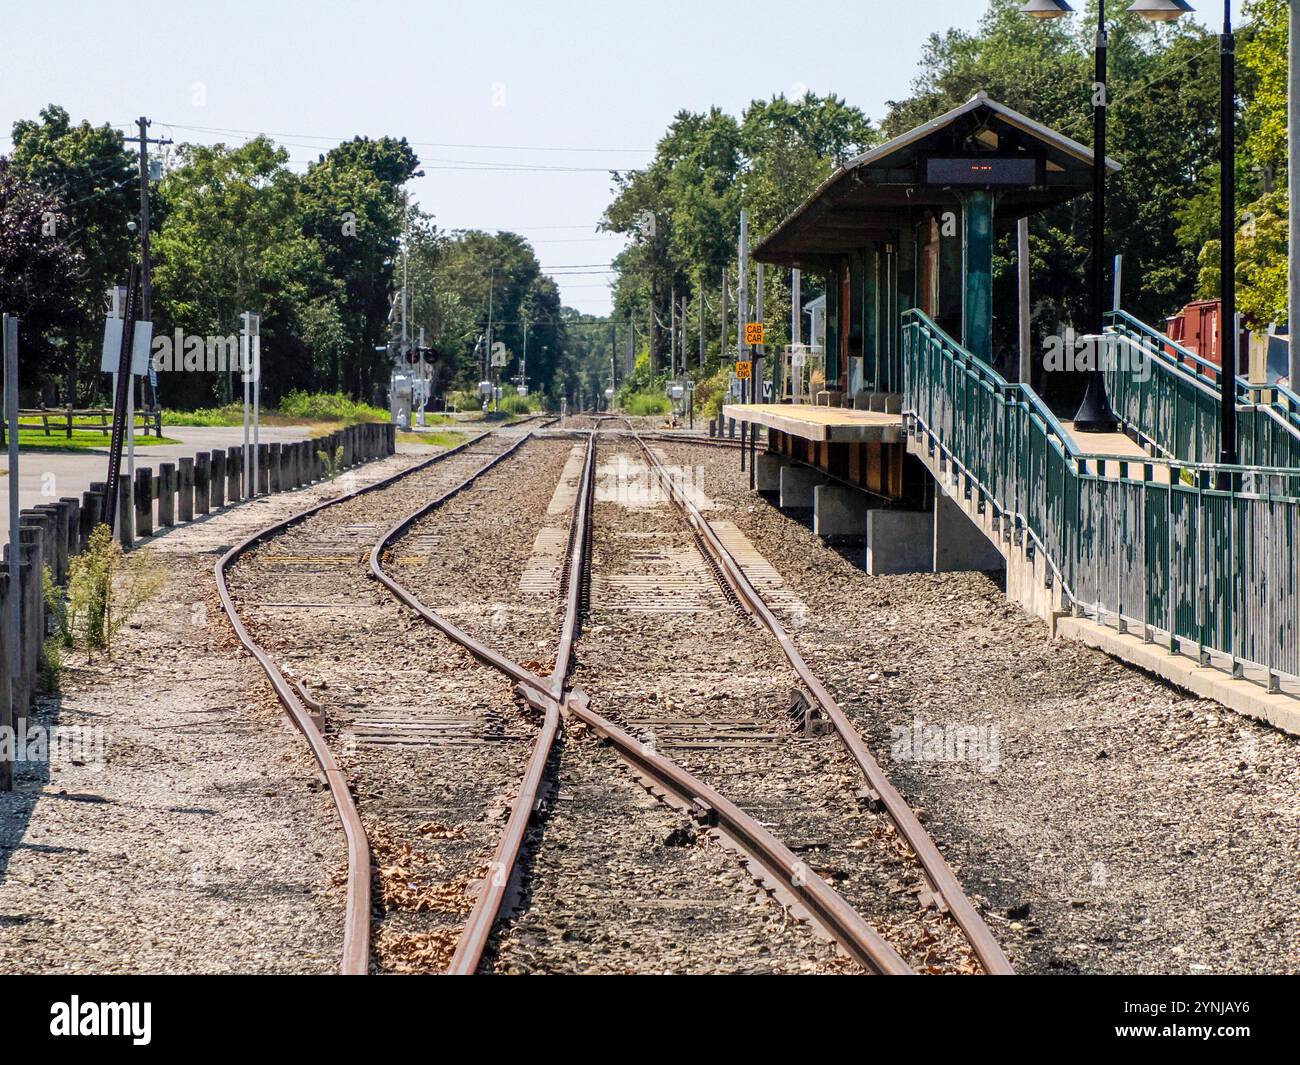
[(808, 718)]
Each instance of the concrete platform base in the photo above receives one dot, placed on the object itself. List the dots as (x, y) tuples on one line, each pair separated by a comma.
[(767, 472), (796, 485), (960, 544), (899, 541), (839, 510)]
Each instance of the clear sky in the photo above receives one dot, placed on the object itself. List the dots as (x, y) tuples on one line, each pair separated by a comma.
[(492, 92)]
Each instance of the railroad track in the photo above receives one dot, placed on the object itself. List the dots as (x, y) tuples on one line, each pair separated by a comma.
[(428, 770), (335, 649), (785, 874)]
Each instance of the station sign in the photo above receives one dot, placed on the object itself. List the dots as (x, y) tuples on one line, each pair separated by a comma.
[(744, 370)]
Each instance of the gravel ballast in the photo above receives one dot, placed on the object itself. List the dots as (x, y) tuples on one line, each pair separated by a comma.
[(1110, 823)]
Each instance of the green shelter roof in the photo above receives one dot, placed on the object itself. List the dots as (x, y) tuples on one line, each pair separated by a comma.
[(876, 193)]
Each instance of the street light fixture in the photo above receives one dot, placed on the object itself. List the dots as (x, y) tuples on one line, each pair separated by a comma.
[(1095, 414), (1161, 10), (1046, 9)]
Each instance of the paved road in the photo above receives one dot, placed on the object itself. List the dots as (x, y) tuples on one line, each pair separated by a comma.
[(48, 475)]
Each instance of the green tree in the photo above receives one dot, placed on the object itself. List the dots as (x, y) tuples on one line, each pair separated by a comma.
[(38, 268), (88, 170), (350, 205)]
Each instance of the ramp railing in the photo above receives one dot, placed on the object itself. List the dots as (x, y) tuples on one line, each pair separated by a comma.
[(1203, 558), (1169, 396)]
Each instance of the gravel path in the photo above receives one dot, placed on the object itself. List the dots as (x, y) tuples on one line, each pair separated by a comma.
[(204, 840), (1111, 823)]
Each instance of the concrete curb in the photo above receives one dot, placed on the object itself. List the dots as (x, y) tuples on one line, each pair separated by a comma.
[(1241, 696)]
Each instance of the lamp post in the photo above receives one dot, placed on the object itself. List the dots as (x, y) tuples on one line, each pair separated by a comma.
[(1229, 356), (1230, 342), (1095, 414)]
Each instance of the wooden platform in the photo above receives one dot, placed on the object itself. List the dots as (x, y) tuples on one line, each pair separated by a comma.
[(1117, 448), (835, 425)]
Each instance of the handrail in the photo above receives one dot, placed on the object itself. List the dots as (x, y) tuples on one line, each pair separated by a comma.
[(1163, 342), (1166, 554), (1070, 447)]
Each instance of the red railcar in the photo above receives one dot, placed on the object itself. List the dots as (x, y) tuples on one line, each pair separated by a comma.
[(1196, 328)]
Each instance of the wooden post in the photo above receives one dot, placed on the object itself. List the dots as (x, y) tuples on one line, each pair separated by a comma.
[(144, 501), (92, 513), (30, 637), (72, 526), (125, 516), (202, 482), (218, 485), (263, 469), (275, 467), (6, 695), (234, 474), (185, 490), (166, 494)]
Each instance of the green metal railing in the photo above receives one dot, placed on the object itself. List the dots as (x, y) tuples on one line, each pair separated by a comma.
[(1155, 543), (1169, 396)]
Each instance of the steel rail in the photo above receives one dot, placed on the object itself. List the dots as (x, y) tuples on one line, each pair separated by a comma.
[(943, 881), (356, 917), (781, 866), (542, 695), (487, 907), (827, 906)]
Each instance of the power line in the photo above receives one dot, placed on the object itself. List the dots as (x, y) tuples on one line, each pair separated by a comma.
[(414, 144)]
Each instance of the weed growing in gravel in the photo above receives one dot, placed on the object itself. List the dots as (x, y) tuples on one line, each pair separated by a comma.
[(331, 462), (105, 589), (51, 663)]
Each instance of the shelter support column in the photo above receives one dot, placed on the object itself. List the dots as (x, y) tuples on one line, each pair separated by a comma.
[(977, 276)]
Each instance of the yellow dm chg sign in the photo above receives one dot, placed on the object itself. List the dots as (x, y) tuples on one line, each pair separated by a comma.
[(744, 370), (753, 333)]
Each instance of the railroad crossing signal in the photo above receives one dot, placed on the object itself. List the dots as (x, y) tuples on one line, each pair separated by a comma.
[(753, 334), (744, 370)]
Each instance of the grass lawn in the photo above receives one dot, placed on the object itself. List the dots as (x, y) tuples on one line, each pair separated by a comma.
[(326, 410), (81, 440), (439, 439)]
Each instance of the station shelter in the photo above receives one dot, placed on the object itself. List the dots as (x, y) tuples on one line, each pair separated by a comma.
[(909, 224)]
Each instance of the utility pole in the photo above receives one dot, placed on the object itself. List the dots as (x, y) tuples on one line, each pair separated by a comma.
[(487, 353), (1293, 197), (630, 364), (796, 311), (672, 332), (756, 393), (796, 329), (13, 622), (424, 388), (701, 326), (722, 347), (742, 297), (1230, 336), (146, 264), (1022, 278)]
